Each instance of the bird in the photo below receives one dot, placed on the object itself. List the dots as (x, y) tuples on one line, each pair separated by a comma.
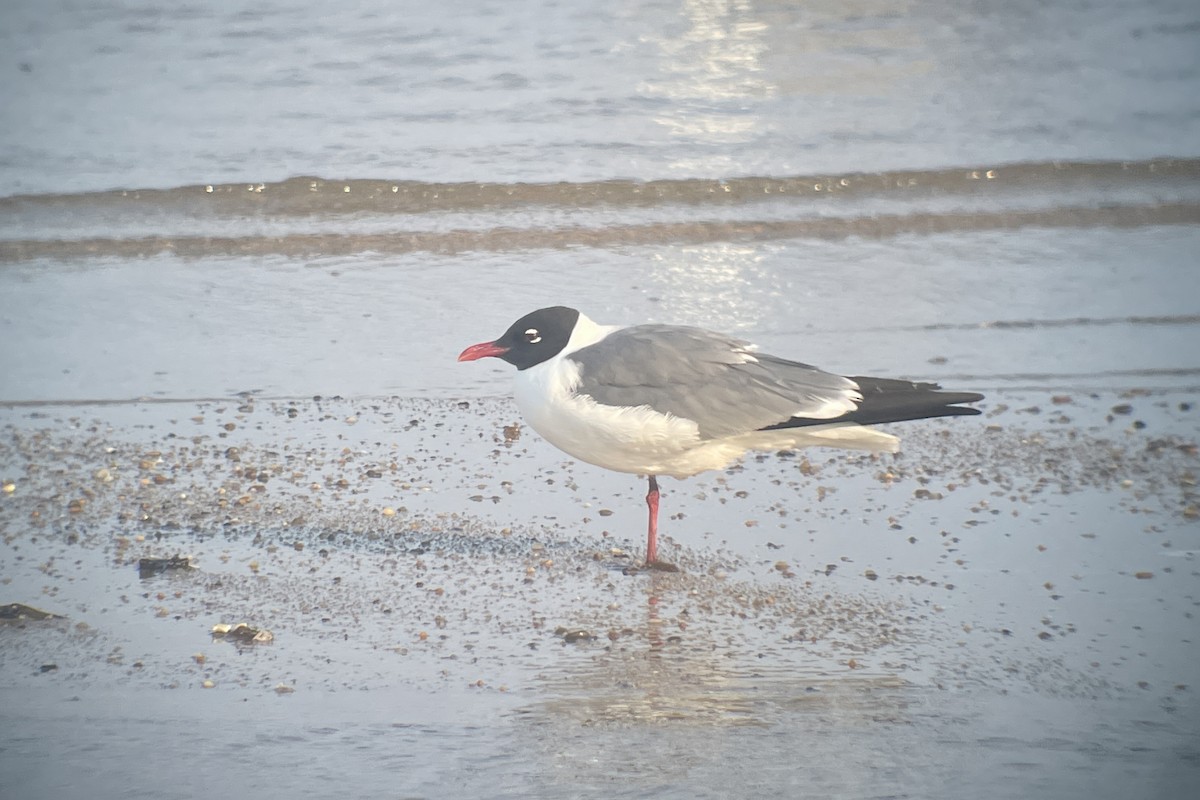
[(675, 400)]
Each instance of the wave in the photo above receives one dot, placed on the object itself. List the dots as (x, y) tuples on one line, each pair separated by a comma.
[(314, 217), (507, 239), (309, 195), (1032, 324)]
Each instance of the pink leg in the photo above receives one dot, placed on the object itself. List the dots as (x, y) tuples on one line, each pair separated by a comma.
[(652, 532)]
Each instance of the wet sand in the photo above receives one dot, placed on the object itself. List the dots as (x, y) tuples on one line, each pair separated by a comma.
[(1010, 600)]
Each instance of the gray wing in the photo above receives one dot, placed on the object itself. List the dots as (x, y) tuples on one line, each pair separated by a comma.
[(717, 381)]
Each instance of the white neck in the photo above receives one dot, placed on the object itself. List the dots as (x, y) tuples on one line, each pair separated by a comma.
[(586, 333), (555, 377)]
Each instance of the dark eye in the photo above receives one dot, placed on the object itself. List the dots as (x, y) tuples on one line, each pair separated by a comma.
[(532, 336)]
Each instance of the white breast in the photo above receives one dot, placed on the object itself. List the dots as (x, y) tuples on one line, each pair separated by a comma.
[(638, 440)]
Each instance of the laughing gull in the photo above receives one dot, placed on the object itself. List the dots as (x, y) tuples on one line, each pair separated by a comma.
[(674, 400)]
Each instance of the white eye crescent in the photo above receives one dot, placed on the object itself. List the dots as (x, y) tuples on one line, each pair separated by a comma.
[(532, 336)]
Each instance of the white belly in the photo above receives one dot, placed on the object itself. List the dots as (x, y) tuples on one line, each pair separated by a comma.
[(637, 440), (643, 441)]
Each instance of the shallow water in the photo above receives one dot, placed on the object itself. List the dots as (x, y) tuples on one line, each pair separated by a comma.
[(241, 249), (110, 96)]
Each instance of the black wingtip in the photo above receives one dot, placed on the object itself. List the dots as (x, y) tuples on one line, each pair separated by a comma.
[(961, 411), (889, 400)]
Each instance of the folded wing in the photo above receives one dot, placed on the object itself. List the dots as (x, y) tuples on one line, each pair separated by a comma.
[(718, 382), (727, 389)]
